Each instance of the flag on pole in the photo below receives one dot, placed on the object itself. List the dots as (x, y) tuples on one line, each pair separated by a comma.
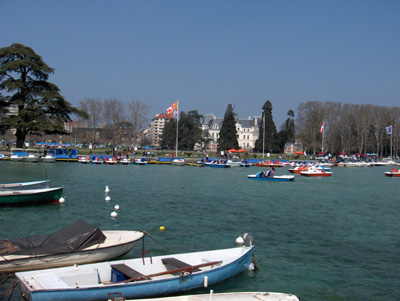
[(389, 130), (322, 128), (173, 110)]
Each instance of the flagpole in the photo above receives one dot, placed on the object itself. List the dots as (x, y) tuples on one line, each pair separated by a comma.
[(323, 136), (263, 134), (177, 113), (391, 145)]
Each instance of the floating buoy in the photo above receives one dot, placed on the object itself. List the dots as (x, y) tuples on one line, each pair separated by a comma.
[(107, 190), (240, 240), (116, 207), (113, 214), (162, 228), (108, 198), (61, 200)]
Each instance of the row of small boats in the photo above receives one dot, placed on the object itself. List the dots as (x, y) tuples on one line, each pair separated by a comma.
[(112, 160)]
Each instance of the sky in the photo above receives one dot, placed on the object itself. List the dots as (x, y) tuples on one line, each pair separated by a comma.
[(211, 53)]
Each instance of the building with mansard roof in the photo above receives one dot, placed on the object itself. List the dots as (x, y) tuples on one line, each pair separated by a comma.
[(247, 130)]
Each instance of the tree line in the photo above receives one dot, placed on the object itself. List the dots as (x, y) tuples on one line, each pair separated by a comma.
[(348, 128), (118, 120)]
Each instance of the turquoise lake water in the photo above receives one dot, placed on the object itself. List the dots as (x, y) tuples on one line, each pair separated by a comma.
[(335, 238)]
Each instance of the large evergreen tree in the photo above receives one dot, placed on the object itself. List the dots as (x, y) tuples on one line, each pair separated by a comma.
[(168, 136), (267, 139), (41, 108), (287, 132), (228, 137), (190, 131)]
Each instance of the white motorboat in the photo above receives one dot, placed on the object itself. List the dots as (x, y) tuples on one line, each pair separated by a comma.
[(178, 162), (49, 158)]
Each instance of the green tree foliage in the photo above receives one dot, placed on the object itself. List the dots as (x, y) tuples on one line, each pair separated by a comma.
[(267, 139), (41, 108), (228, 137), (168, 136), (287, 132), (190, 131)]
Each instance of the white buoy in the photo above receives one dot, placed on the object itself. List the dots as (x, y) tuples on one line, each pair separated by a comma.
[(107, 190), (61, 200), (108, 198), (113, 214), (240, 240), (116, 207)]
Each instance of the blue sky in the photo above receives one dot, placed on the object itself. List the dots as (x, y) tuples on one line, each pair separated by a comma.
[(208, 54)]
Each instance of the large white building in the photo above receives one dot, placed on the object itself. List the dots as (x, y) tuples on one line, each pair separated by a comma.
[(247, 129), (156, 128)]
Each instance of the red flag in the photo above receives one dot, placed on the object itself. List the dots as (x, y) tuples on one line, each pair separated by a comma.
[(322, 128), (173, 110)]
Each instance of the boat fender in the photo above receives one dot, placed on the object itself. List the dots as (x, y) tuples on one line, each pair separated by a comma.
[(248, 239), (205, 281)]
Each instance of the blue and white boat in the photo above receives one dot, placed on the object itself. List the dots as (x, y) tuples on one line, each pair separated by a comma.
[(259, 176), (136, 278), (218, 163)]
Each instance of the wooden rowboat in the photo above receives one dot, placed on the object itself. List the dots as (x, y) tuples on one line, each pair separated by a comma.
[(75, 244), (136, 278), (25, 185), (30, 196)]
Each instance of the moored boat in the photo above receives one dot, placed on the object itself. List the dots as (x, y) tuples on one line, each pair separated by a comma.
[(75, 244), (98, 160), (217, 164), (84, 159), (136, 278), (24, 155), (178, 162), (110, 160), (270, 163), (25, 185), (125, 161), (236, 296), (49, 158), (140, 161), (30, 196)]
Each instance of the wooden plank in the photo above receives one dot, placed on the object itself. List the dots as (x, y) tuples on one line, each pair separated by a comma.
[(126, 270), (187, 269), (177, 263)]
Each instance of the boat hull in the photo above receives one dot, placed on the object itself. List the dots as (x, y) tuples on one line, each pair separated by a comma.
[(316, 174), (240, 296), (34, 197), (285, 178), (98, 253), (25, 185), (392, 174), (158, 286)]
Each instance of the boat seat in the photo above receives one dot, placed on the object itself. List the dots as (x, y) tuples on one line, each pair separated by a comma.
[(178, 263), (127, 271)]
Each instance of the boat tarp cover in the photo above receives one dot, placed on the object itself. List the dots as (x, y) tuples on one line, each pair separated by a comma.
[(73, 238)]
